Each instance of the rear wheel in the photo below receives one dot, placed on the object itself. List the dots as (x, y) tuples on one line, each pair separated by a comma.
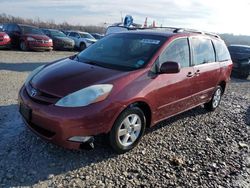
[(82, 46), (127, 130), (23, 46), (215, 101)]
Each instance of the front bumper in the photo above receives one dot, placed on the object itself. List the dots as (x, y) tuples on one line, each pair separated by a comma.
[(58, 124), (40, 46), (5, 43)]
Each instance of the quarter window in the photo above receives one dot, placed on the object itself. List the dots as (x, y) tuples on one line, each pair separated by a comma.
[(203, 51), (222, 53), (177, 51)]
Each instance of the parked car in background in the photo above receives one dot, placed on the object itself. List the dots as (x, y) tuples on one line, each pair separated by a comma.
[(240, 55), (123, 84), (65, 32), (5, 40), (27, 37), (97, 36), (60, 40), (82, 39)]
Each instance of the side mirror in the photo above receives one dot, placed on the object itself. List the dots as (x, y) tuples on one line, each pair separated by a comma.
[(169, 67)]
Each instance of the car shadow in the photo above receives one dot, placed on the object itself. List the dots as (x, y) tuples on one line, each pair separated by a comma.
[(27, 159), (247, 118), (190, 113), (20, 67)]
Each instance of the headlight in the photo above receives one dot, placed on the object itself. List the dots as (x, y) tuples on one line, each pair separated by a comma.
[(86, 96), (90, 41), (30, 39), (33, 73), (6, 37), (50, 40)]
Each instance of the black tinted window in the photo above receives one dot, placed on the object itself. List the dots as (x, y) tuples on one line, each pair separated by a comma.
[(222, 53), (73, 34), (177, 51), (203, 51)]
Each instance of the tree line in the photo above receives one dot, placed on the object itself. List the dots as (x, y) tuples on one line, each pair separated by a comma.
[(4, 18)]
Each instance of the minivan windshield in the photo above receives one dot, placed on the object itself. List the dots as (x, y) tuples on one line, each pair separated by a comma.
[(31, 30), (122, 51)]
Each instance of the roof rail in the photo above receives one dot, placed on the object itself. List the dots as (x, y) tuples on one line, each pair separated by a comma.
[(180, 30), (172, 29)]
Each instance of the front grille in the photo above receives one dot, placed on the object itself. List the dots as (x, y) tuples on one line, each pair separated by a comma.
[(41, 97), (42, 131), (42, 41), (1, 39)]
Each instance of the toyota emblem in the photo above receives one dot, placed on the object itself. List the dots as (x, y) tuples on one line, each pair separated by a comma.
[(33, 92)]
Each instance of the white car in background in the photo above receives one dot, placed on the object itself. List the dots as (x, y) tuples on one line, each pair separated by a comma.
[(82, 39)]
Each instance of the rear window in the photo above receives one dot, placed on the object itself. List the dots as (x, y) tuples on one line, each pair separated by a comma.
[(203, 51), (222, 53), (31, 30)]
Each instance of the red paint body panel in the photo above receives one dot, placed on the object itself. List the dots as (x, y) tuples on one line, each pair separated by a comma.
[(165, 94)]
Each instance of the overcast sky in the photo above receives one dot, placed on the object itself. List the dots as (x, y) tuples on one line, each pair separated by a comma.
[(209, 15)]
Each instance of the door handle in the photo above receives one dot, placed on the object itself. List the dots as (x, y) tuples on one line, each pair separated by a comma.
[(190, 74), (197, 73)]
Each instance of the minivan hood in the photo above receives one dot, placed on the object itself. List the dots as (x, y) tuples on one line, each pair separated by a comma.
[(67, 76)]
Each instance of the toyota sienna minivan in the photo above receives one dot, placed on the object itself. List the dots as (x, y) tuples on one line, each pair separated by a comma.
[(124, 83)]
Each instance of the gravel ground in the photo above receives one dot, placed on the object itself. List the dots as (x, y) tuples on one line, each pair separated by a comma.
[(194, 149)]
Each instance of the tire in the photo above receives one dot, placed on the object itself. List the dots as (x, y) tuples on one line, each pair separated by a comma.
[(126, 134), (215, 101), (23, 46), (243, 74), (82, 46)]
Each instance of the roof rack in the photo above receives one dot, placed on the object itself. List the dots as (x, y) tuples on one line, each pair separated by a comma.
[(171, 29), (183, 30)]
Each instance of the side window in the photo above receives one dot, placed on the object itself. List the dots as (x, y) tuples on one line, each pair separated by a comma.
[(203, 51), (222, 53), (72, 34), (177, 51)]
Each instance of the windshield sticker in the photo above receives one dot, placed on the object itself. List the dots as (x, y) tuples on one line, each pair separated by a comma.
[(150, 41), (139, 63)]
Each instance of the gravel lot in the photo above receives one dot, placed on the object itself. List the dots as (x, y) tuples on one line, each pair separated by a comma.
[(194, 149)]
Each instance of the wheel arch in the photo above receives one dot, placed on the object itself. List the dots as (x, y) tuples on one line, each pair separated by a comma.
[(223, 85), (146, 110)]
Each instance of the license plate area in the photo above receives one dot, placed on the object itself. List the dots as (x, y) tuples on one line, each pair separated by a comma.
[(26, 112)]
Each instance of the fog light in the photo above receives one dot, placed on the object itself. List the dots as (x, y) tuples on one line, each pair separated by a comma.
[(80, 138)]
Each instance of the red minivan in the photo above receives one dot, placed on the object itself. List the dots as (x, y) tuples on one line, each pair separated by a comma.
[(124, 83)]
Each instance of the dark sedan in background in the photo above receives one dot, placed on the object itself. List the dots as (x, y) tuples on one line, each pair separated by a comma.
[(60, 40), (240, 55)]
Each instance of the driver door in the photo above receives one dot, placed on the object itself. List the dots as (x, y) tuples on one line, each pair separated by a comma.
[(174, 93)]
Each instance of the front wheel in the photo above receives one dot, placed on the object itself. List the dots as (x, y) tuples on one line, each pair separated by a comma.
[(127, 130), (23, 46), (215, 101)]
